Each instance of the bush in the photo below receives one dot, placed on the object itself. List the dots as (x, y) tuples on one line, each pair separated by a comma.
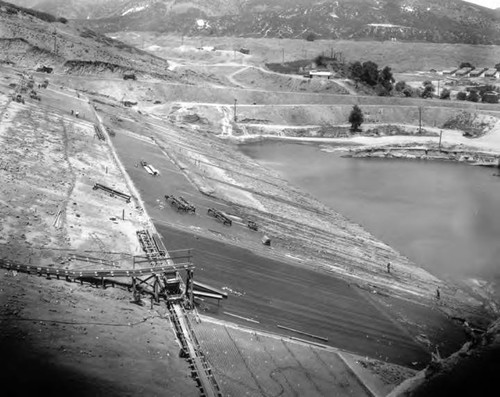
[(473, 96), (466, 65), (445, 94), (311, 37), (461, 96), (62, 20), (400, 86), (408, 92)]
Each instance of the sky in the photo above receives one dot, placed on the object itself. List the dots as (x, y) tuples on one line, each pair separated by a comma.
[(486, 3)]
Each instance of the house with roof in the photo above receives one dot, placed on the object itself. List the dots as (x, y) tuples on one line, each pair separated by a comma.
[(324, 73), (478, 72), (492, 73), (449, 71), (463, 72)]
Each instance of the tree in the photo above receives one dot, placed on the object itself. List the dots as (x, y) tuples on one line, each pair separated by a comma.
[(370, 73), (466, 65), (461, 96), (386, 79), (356, 118), (311, 37), (356, 70), (497, 66), (445, 94), (428, 89), (473, 96), (408, 92), (400, 86), (320, 60)]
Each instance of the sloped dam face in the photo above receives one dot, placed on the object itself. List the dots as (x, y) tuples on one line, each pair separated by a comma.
[(444, 216)]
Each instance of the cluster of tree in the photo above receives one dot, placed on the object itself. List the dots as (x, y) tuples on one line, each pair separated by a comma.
[(479, 94), (368, 73), (427, 91), (467, 65)]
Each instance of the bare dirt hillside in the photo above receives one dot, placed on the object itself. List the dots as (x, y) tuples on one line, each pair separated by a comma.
[(69, 339)]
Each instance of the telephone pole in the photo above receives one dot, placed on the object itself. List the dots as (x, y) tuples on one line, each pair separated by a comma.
[(420, 119), (54, 34), (235, 117), (283, 58)]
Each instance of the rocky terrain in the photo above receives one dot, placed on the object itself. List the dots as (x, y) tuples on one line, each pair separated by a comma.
[(448, 21)]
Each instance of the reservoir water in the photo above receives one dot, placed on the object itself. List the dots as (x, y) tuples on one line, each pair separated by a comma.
[(444, 216)]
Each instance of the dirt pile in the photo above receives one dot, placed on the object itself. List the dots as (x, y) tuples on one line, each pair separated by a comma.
[(28, 41), (473, 124), (69, 339)]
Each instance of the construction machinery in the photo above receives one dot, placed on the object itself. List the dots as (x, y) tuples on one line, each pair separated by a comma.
[(34, 95), (180, 203), (150, 169), (112, 192), (18, 98), (129, 76), (220, 216), (252, 225)]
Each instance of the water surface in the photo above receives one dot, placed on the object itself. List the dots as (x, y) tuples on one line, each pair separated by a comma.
[(444, 216)]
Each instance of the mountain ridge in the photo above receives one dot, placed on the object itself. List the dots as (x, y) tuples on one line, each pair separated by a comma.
[(451, 21)]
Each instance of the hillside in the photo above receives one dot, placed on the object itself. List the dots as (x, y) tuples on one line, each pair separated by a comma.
[(450, 21)]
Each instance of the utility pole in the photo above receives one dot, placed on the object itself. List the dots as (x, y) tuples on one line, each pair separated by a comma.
[(420, 119), (54, 34), (283, 51), (235, 117), (438, 87), (440, 136)]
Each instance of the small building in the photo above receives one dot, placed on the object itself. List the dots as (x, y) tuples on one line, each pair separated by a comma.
[(490, 97), (320, 73), (492, 73), (450, 71), (464, 72), (477, 72)]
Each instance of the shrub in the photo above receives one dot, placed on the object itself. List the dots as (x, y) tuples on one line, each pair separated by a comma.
[(466, 65), (473, 96), (445, 94), (400, 86), (62, 20), (462, 96), (311, 37)]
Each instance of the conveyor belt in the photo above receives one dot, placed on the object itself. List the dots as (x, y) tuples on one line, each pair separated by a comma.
[(52, 271)]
